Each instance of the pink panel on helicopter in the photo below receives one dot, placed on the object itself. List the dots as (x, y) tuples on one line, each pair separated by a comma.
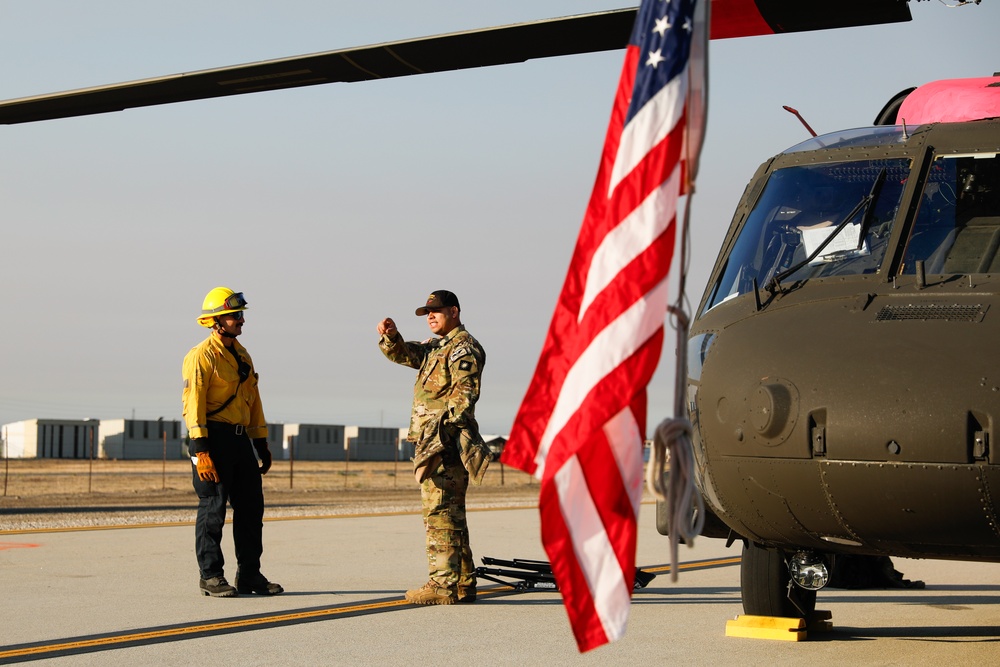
[(952, 101)]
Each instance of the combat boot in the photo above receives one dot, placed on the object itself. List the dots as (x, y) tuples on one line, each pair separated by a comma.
[(257, 584), (217, 587), (431, 593), (467, 594)]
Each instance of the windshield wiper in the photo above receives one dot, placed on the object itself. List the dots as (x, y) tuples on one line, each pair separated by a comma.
[(774, 284), (866, 219)]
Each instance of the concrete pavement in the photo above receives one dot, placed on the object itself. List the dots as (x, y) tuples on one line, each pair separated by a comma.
[(129, 596)]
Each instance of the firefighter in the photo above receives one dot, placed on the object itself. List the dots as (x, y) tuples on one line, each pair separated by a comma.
[(225, 422)]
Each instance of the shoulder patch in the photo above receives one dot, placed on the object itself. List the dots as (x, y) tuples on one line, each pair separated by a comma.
[(460, 351), (465, 365)]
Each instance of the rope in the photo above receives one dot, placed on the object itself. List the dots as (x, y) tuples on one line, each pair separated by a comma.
[(670, 474), (684, 504)]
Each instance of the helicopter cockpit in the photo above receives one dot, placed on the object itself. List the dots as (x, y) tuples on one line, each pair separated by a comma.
[(815, 221), (957, 226)]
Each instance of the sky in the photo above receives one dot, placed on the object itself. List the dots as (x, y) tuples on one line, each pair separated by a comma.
[(334, 206)]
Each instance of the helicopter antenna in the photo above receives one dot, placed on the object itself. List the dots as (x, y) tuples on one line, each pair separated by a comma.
[(906, 135), (801, 119)]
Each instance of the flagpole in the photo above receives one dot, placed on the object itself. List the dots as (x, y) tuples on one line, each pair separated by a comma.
[(672, 448)]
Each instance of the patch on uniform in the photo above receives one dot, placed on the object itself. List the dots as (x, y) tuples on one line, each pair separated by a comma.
[(465, 365), (460, 352)]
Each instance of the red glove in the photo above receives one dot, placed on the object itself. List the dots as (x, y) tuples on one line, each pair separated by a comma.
[(206, 469)]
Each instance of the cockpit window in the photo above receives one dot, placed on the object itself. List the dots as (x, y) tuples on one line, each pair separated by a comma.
[(957, 228), (862, 136), (797, 217)]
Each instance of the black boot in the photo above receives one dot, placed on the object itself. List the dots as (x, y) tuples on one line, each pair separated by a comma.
[(258, 584)]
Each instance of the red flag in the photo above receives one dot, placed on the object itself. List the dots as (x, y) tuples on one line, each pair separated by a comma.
[(580, 428)]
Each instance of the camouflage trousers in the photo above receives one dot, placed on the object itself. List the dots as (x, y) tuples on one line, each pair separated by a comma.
[(449, 557)]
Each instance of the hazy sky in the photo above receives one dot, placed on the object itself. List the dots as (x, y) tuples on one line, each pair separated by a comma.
[(334, 206)]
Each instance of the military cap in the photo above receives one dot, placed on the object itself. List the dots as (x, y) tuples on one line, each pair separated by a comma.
[(441, 298)]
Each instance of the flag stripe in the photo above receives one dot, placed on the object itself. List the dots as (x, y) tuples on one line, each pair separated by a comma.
[(594, 550), (627, 241), (622, 431), (650, 126), (608, 350), (586, 624)]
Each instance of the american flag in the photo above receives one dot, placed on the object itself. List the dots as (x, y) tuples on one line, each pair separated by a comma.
[(580, 428)]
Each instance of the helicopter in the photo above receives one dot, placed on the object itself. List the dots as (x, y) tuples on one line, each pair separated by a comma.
[(843, 385), (711, 336)]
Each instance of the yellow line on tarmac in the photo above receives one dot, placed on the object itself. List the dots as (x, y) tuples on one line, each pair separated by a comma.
[(194, 629), (151, 636), (695, 565)]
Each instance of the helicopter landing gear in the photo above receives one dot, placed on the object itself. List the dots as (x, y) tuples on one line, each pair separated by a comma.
[(767, 588)]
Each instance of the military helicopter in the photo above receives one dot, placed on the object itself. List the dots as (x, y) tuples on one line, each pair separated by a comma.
[(843, 384), (795, 458)]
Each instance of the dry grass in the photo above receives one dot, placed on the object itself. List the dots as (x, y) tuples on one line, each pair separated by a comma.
[(68, 483)]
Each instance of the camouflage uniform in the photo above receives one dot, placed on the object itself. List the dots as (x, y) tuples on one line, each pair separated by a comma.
[(448, 446)]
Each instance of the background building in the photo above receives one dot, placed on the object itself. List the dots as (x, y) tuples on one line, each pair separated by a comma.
[(158, 439), (312, 442), (140, 439), (374, 443), (52, 438), (496, 443), (406, 448)]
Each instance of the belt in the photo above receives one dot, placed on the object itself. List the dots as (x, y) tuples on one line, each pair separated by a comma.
[(235, 429)]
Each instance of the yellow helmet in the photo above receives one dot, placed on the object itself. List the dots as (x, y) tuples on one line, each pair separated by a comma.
[(219, 301)]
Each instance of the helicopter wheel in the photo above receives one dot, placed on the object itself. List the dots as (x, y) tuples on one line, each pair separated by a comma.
[(766, 586)]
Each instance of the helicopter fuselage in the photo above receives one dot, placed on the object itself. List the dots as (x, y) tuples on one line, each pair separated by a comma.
[(844, 380)]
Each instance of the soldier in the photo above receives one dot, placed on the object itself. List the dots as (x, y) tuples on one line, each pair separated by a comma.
[(449, 448), (223, 413)]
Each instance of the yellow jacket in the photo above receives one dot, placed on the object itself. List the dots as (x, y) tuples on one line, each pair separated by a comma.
[(211, 376)]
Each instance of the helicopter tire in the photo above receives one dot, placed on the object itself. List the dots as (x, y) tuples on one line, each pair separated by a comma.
[(764, 585)]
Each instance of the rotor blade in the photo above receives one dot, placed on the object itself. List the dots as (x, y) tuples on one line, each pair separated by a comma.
[(599, 31), (584, 33)]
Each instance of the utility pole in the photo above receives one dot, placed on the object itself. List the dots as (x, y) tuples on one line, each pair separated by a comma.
[(6, 461)]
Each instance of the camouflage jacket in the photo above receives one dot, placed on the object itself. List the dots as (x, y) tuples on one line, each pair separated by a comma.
[(444, 397)]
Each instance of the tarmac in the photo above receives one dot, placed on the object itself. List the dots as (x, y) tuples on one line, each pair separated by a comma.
[(129, 596)]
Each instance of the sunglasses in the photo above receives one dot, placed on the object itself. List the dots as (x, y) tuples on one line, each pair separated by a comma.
[(238, 315)]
